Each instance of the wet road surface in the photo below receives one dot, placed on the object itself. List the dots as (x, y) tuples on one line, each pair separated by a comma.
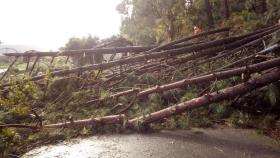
[(195, 143)]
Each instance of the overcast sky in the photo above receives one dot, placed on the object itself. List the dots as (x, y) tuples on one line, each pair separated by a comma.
[(48, 24)]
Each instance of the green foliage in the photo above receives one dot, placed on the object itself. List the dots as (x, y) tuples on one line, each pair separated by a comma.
[(220, 110), (245, 21), (19, 101), (155, 103), (188, 96), (153, 21), (8, 139), (240, 119), (16, 109), (272, 94), (89, 42), (218, 85), (104, 94), (62, 86), (273, 14), (75, 43), (147, 22), (268, 121)]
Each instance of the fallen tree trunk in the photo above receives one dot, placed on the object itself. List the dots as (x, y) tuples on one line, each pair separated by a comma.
[(208, 33), (250, 44), (263, 52), (236, 46), (31, 54), (134, 49), (189, 38), (231, 52), (207, 99), (9, 68), (97, 50), (17, 126), (201, 79), (112, 50), (106, 120), (223, 51), (166, 53)]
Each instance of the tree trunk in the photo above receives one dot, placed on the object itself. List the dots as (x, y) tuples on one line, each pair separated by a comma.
[(106, 120), (263, 6), (209, 14), (227, 13), (207, 99), (171, 27), (230, 42), (204, 100), (185, 39), (201, 79)]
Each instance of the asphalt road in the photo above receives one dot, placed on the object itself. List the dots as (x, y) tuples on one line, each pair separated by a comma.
[(195, 143)]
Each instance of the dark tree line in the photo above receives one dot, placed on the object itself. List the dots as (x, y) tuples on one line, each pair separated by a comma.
[(154, 21)]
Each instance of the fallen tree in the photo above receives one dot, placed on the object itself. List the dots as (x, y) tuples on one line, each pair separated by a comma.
[(196, 80), (208, 33), (222, 51), (263, 52), (133, 49), (189, 38), (206, 99), (166, 53), (106, 120)]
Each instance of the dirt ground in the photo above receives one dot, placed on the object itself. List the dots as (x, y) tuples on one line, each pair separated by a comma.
[(195, 143)]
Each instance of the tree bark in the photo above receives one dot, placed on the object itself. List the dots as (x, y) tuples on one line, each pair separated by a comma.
[(209, 14), (263, 52), (201, 79), (185, 39), (231, 41), (227, 13), (261, 6), (18, 126), (106, 120), (9, 68), (207, 99), (204, 100)]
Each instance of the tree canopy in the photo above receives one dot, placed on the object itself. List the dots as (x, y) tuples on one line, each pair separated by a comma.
[(154, 21)]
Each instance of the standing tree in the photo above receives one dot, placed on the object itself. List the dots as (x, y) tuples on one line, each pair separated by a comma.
[(170, 15), (209, 14), (263, 6), (138, 21), (227, 13), (258, 6), (148, 22)]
